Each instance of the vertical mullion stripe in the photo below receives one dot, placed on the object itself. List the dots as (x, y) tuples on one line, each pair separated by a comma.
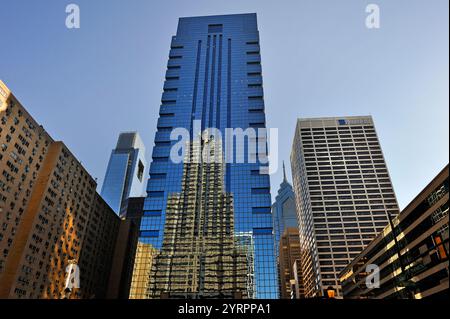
[(228, 166), (219, 85), (197, 67), (205, 84), (213, 74)]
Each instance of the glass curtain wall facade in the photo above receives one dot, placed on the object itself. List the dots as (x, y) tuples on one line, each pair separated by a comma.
[(213, 76), (125, 173), (200, 257)]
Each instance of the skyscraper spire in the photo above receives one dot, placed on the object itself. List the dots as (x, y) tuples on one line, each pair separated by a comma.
[(284, 173)]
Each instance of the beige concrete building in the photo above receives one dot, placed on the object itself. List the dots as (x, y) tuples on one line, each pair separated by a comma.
[(23, 146), (343, 192), (50, 213)]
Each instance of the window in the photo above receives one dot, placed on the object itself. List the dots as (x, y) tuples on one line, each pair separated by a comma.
[(140, 171), (152, 213), (162, 143), (156, 194), (160, 159), (158, 175), (149, 233), (256, 172), (261, 210), (260, 190), (262, 231), (215, 28)]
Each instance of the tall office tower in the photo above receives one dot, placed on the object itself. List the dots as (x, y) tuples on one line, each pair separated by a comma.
[(290, 273), (49, 211), (283, 209), (214, 76), (343, 193), (200, 257), (125, 173)]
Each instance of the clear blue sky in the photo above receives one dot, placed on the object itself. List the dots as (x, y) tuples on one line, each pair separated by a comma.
[(319, 59)]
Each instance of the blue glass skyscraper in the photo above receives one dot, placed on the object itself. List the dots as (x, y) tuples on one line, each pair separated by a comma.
[(125, 173), (213, 76)]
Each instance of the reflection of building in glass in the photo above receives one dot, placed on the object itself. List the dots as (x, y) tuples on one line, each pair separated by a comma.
[(290, 273), (244, 240), (414, 263), (214, 76), (284, 214), (140, 283), (343, 193), (125, 173), (283, 209), (200, 257)]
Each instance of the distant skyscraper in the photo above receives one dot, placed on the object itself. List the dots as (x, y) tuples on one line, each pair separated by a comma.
[(343, 192), (125, 173), (283, 209), (213, 76), (290, 274)]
